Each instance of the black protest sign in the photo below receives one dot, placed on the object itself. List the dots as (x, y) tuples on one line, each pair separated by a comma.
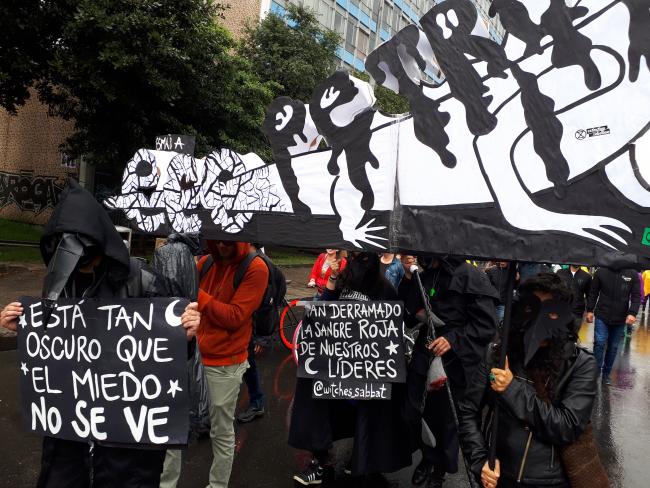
[(105, 370), (176, 142), (350, 344)]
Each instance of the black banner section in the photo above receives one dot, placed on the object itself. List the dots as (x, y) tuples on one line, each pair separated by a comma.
[(176, 143), (356, 347), (105, 370)]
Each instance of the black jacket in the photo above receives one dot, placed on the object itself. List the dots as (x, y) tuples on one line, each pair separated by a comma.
[(580, 284), (465, 301), (614, 294), (499, 278), (527, 420), (175, 265)]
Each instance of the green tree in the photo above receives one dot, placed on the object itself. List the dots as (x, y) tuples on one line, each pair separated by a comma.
[(387, 100), (27, 31), (128, 70), (294, 51)]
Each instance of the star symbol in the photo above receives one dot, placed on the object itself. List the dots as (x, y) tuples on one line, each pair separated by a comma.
[(173, 388), (392, 348), (23, 321), (24, 367)]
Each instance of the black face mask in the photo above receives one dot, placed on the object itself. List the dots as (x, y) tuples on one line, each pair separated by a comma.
[(524, 311), (72, 252), (426, 262), (543, 321), (362, 272)]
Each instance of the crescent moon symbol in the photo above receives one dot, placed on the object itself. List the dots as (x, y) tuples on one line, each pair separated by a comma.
[(308, 370), (170, 317)]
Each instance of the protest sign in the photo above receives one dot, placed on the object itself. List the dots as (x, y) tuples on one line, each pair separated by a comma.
[(354, 349), (110, 370), (176, 142)]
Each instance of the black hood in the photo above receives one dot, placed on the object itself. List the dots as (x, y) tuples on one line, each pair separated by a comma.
[(191, 239), (79, 213)]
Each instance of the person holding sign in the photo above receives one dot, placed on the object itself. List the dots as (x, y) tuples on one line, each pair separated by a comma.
[(223, 336), (86, 258), (463, 298), (379, 428), (546, 393)]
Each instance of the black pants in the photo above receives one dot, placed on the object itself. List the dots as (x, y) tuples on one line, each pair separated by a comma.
[(439, 417), (437, 411), (69, 464)]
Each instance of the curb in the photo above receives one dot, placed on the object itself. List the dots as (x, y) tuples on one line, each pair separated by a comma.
[(17, 267)]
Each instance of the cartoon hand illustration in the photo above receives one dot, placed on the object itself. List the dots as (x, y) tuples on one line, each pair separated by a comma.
[(364, 234)]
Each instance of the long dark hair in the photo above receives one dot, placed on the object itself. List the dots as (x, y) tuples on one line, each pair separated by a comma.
[(546, 367)]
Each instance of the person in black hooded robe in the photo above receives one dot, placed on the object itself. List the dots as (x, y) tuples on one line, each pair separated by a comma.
[(86, 257), (379, 427), (546, 394), (465, 300)]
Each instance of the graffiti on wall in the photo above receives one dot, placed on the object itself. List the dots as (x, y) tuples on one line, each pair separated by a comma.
[(29, 192)]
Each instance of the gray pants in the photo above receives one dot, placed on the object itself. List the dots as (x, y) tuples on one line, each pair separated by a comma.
[(171, 469), (223, 384)]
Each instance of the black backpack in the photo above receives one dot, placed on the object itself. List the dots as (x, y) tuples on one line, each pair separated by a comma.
[(266, 318)]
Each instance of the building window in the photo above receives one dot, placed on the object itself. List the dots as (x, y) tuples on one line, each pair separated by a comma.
[(339, 23), (376, 4), (362, 44), (350, 37), (325, 12), (387, 14)]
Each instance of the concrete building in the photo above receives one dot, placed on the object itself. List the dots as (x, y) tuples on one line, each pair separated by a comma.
[(364, 24), (33, 169)]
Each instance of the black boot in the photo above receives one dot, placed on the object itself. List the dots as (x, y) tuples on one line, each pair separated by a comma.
[(421, 473), (436, 479)]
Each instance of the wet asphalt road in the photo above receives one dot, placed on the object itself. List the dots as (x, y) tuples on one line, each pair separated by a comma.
[(263, 458)]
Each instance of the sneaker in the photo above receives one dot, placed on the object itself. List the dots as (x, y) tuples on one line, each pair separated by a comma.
[(347, 469), (250, 414), (607, 381), (421, 473), (313, 475)]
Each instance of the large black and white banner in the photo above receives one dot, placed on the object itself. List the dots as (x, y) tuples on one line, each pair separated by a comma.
[(352, 350), (531, 145), (113, 371)]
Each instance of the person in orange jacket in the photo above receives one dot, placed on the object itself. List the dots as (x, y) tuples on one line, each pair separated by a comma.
[(223, 337)]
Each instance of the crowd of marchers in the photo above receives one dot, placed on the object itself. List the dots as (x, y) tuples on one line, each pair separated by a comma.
[(543, 393)]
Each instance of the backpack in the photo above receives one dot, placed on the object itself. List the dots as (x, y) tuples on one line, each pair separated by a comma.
[(266, 318)]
